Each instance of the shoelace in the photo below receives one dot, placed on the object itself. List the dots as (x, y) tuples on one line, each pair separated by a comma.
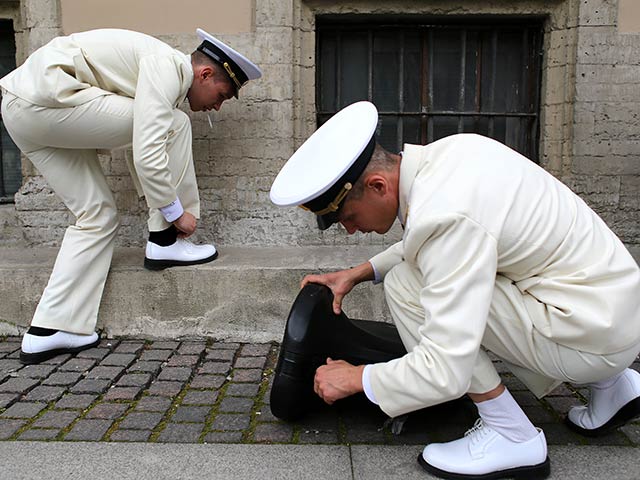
[(478, 431)]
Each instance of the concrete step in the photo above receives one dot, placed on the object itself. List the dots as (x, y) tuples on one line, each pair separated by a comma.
[(245, 295)]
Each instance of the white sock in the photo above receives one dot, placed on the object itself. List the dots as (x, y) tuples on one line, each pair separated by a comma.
[(606, 383), (505, 416)]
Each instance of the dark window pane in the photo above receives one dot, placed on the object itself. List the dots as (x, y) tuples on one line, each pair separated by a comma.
[(10, 175), (386, 70), (354, 68), (328, 74), (446, 51), (411, 74)]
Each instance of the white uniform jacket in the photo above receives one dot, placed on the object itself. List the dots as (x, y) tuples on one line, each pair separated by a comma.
[(473, 208), (72, 70)]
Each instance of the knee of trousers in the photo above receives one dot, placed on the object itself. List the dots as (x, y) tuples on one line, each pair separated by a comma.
[(101, 215), (402, 285)]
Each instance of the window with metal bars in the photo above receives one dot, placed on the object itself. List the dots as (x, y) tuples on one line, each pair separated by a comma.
[(430, 79), (10, 175)]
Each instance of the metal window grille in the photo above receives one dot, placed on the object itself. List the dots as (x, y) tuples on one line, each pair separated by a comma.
[(433, 79), (10, 175)]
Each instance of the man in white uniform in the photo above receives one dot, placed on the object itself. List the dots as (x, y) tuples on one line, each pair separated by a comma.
[(108, 89), (496, 254)]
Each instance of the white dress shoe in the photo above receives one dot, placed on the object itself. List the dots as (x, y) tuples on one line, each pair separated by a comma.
[(608, 408), (485, 454), (181, 253), (36, 349)]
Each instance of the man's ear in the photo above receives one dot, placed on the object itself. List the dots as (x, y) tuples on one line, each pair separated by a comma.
[(204, 72), (377, 183)]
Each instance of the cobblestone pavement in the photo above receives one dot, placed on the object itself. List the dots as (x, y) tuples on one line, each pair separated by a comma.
[(205, 391)]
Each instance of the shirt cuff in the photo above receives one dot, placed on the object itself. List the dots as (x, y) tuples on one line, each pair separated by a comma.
[(173, 211), (366, 384), (376, 275)]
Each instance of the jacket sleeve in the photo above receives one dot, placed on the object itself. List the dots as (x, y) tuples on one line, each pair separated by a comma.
[(456, 262), (387, 259), (158, 88)]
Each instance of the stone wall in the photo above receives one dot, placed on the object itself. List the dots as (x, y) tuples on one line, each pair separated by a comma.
[(589, 120)]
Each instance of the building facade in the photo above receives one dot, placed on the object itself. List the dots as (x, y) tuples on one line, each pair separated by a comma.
[(558, 80)]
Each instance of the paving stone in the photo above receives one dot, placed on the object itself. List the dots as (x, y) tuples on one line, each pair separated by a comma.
[(56, 419), (9, 427), (207, 381), (192, 348), (149, 367), (78, 402), (220, 354), (558, 434), (90, 430), (57, 360), (233, 421), (560, 390), (255, 349), (107, 410), (236, 404), (24, 410), (141, 420), (36, 371), (39, 434), (154, 404), (317, 437), (89, 385), (166, 389), (247, 375), (215, 367), (44, 393), (243, 389), (183, 360), (632, 430), (134, 380), (18, 385), (250, 362), (8, 365), (273, 433), (539, 414), (223, 437), (265, 414), (181, 374), (525, 399), (7, 399), (181, 433), (105, 372), (561, 405), (130, 435), (9, 347), (129, 347), (225, 346), (63, 378), (161, 355), (119, 359), (190, 414), (164, 345), (78, 365), (96, 353), (123, 393), (200, 397)]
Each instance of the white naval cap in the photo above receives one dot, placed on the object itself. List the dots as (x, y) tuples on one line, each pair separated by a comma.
[(239, 68), (321, 172)]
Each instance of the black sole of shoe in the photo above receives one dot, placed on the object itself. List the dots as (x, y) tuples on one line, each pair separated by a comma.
[(156, 265), (39, 357), (622, 416), (530, 472)]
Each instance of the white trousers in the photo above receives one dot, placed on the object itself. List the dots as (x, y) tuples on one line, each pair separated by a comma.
[(62, 143), (539, 362)]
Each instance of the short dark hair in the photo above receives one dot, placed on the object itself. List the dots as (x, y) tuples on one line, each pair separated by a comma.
[(219, 73), (381, 160)]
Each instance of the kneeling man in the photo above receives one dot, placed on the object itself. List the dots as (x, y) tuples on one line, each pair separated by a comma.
[(496, 255)]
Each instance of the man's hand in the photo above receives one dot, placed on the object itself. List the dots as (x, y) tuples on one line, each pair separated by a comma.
[(341, 282), (186, 224), (337, 379)]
